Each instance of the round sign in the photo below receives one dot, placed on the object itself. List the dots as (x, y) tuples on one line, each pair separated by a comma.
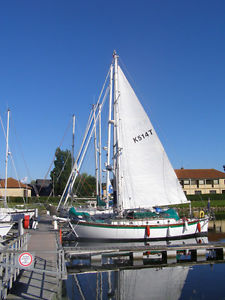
[(25, 259)]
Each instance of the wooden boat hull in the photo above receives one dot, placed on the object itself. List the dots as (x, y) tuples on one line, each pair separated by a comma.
[(143, 231)]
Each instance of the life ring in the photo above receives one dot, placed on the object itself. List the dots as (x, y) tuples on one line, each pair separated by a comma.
[(201, 214)]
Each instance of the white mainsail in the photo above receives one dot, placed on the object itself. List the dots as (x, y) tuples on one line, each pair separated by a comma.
[(146, 176)]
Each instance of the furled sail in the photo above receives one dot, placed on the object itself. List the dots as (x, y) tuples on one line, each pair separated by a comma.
[(146, 176)]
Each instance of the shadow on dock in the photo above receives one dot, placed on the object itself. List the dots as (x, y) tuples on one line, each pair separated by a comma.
[(40, 282)]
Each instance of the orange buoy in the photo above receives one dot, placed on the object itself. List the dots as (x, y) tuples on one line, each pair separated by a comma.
[(199, 227), (148, 230), (60, 236), (26, 221)]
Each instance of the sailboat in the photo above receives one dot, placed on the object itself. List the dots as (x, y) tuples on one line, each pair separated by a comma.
[(5, 218), (8, 216), (145, 184)]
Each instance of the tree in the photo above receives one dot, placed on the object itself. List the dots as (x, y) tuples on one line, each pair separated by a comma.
[(85, 185), (61, 171)]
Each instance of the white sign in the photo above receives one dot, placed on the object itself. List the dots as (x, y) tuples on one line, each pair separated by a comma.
[(25, 259)]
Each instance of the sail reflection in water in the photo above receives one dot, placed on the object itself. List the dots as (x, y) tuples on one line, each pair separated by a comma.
[(147, 283), (154, 283)]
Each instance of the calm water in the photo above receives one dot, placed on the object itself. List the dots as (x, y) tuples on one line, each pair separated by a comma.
[(182, 282)]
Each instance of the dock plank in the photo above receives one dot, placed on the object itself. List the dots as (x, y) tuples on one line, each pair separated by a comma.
[(36, 285)]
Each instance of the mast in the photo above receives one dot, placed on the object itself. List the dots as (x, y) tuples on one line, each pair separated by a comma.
[(72, 154), (6, 159), (110, 122), (100, 151), (116, 134), (96, 159)]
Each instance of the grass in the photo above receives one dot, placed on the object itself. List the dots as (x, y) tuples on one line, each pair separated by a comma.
[(41, 203)]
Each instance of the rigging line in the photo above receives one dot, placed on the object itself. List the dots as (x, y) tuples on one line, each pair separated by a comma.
[(126, 70), (81, 177), (91, 116), (13, 163), (60, 173), (61, 142), (79, 287), (21, 151), (16, 175), (84, 180), (83, 148), (78, 185)]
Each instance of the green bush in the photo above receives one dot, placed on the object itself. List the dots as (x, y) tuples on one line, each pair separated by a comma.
[(206, 197)]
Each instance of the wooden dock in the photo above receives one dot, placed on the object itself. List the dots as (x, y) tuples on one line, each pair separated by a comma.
[(42, 281), (114, 257)]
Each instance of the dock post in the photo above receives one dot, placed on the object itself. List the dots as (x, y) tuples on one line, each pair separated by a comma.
[(171, 256), (20, 227), (201, 254), (1, 261), (223, 252), (55, 224), (11, 272), (96, 259), (137, 257)]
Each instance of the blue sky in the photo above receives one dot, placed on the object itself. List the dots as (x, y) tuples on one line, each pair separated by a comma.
[(54, 56)]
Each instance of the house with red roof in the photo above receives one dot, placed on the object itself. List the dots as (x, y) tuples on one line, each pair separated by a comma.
[(15, 188), (201, 181)]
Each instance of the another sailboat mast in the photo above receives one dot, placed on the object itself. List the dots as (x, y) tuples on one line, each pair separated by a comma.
[(72, 154), (109, 137), (6, 159)]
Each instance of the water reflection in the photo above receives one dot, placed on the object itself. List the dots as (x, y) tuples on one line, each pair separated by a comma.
[(217, 226), (148, 283), (188, 241), (130, 282)]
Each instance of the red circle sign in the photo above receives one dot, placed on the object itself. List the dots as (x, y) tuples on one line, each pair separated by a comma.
[(25, 259)]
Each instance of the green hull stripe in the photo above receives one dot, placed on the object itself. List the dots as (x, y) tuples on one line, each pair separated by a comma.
[(133, 227)]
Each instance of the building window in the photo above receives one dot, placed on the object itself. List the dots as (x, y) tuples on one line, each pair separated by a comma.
[(209, 181), (201, 181), (198, 192), (223, 191), (186, 182), (212, 192), (216, 181), (193, 182)]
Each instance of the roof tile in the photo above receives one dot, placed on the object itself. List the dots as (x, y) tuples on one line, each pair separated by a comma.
[(199, 174), (13, 183)]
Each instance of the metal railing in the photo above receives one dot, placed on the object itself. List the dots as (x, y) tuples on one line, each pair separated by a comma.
[(8, 263), (10, 268)]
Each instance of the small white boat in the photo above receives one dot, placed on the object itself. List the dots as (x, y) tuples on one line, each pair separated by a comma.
[(144, 178), (5, 223)]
